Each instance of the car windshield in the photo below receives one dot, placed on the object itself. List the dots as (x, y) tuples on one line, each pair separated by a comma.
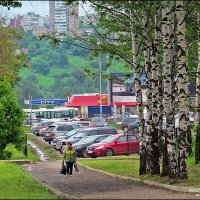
[(50, 128), (89, 139), (79, 135), (71, 133), (109, 139), (83, 140)]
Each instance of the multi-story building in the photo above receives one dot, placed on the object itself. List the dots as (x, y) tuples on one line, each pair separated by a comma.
[(31, 21), (64, 18), (16, 21)]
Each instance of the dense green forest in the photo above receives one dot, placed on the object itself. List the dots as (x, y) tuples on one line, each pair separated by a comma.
[(57, 70)]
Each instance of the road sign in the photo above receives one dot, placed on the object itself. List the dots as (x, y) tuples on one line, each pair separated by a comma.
[(49, 101)]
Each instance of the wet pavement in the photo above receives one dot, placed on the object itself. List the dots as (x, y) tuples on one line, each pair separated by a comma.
[(88, 184)]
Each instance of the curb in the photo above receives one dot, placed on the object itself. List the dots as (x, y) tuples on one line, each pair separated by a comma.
[(58, 193), (151, 183), (19, 162)]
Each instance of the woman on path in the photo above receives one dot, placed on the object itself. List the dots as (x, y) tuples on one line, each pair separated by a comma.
[(69, 156)]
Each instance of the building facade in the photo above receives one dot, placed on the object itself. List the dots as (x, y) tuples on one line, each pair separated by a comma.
[(64, 18)]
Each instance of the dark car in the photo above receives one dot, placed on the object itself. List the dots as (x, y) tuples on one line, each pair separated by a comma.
[(120, 144), (126, 122), (108, 130), (133, 127), (82, 145)]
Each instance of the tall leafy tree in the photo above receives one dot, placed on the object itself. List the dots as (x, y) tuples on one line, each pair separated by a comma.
[(12, 118)]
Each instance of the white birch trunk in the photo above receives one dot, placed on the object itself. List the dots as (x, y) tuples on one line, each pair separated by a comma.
[(182, 88), (197, 117), (171, 140), (155, 166), (137, 71), (149, 92)]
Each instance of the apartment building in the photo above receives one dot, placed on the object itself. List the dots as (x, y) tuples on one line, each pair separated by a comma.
[(64, 18)]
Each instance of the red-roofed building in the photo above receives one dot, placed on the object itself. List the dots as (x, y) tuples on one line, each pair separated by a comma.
[(89, 104)]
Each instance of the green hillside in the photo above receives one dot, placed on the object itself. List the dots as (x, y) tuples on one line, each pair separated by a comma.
[(57, 71)]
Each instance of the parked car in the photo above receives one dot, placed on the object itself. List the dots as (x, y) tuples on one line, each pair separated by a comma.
[(108, 130), (58, 130), (98, 122), (119, 144), (64, 143), (82, 145), (134, 127), (65, 136), (126, 122), (83, 124), (41, 125)]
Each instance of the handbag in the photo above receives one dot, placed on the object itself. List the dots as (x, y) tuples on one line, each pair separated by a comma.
[(63, 169), (76, 167)]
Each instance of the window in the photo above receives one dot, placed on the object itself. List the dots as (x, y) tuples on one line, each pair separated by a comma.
[(50, 128), (93, 133), (100, 139), (132, 138), (132, 120), (122, 139), (101, 132), (64, 128)]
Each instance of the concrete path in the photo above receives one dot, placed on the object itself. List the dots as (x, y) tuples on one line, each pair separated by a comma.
[(88, 184)]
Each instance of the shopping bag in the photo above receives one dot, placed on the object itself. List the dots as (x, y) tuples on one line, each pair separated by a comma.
[(76, 167), (63, 170)]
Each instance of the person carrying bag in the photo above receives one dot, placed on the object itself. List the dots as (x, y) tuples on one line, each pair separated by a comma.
[(69, 156)]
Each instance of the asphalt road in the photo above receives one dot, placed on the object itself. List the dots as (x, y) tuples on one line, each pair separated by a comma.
[(88, 184)]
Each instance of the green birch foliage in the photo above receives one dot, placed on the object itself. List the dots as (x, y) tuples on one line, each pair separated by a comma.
[(11, 118)]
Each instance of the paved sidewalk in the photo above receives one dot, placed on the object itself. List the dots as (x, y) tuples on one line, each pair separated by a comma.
[(93, 185)]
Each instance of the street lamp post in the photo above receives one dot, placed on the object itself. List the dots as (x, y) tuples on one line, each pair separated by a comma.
[(100, 87)]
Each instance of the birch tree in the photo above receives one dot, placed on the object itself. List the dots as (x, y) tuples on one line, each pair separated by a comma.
[(170, 155), (155, 165), (182, 88), (197, 120)]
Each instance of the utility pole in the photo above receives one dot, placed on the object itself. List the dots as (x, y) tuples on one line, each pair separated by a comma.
[(100, 87)]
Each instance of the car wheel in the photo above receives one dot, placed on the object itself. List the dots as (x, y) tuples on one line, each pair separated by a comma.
[(85, 153), (109, 152), (135, 131), (125, 129)]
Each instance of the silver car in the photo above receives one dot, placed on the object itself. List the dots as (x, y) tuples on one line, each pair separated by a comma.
[(59, 130)]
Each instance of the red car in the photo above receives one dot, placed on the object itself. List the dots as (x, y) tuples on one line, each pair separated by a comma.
[(118, 144)]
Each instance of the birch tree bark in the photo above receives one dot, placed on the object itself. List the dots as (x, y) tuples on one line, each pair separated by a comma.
[(182, 88), (171, 139), (155, 165), (170, 155), (197, 120), (166, 85), (137, 71), (148, 70)]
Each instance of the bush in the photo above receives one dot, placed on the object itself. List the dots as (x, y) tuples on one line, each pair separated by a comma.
[(11, 118)]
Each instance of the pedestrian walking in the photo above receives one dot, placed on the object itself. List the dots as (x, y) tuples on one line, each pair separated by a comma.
[(69, 156)]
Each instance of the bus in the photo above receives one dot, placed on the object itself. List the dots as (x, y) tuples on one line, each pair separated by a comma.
[(36, 115)]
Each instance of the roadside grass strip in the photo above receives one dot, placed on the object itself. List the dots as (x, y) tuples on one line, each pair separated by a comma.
[(16, 183), (130, 168), (51, 153)]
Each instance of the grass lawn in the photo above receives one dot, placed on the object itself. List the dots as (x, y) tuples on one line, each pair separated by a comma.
[(44, 147), (117, 126), (130, 168), (18, 155), (16, 183)]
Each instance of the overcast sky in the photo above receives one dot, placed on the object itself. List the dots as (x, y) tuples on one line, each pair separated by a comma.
[(39, 7)]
